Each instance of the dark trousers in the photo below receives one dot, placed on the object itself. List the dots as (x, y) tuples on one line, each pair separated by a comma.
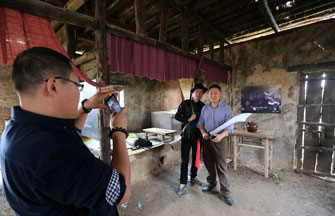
[(186, 146), (215, 161)]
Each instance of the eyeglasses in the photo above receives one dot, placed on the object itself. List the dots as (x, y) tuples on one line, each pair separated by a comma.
[(80, 86)]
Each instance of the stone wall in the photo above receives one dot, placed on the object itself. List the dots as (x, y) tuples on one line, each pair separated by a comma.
[(8, 97), (265, 62)]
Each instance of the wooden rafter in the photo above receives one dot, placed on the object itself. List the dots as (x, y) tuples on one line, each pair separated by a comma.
[(163, 25), (178, 5), (72, 5), (51, 12), (140, 16)]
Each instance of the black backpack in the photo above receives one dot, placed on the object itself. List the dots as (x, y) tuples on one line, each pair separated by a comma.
[(142, 143)]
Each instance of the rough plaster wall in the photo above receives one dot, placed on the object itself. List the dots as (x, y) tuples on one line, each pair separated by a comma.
[(8, 97), (265, 62)]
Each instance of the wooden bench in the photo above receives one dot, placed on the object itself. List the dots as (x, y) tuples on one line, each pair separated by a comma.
[(266, 138), (160, 133)]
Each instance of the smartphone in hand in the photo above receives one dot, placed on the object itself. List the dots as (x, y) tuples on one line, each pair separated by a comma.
[(112, 104)]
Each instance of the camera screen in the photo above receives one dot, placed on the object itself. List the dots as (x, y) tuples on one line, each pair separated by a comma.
[(113, 104)]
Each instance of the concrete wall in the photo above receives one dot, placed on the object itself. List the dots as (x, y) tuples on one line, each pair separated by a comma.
[(8, 97), (265, 62)]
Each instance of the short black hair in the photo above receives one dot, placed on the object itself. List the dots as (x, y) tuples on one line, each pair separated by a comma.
[(32, 66), (214, 86)]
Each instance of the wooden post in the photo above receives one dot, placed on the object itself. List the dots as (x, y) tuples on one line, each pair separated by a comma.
[(163, 25), (221, 60), (211, 46), (184, 31), (71, 41), (235, 151), (102, 76), (140, 17), (200, 41), (265, 142)]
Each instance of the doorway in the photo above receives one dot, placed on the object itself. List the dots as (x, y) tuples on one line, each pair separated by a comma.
[(315, 148)]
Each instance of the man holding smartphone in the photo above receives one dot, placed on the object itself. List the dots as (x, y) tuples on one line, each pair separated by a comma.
[(46, 168)]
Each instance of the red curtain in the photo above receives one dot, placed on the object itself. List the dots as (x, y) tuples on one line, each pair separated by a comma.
[(20, 31), (214, 73), (136, 59)]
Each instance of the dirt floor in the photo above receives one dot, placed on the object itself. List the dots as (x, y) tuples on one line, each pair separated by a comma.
[(295, 194)]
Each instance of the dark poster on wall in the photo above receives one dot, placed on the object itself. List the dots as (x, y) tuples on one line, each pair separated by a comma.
[(261, 99)]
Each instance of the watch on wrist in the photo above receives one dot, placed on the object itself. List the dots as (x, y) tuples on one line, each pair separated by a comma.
[(84, 108)]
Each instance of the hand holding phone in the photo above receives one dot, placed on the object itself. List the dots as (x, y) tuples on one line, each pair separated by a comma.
[(112, 104)]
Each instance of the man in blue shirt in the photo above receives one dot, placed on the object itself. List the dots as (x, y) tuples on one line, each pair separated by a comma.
[(46, 168), (212, 116)]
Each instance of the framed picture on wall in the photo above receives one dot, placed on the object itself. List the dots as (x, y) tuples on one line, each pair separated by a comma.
[(261, 99)]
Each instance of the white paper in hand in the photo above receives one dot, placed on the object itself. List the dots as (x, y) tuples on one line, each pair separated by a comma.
[(239, 118)]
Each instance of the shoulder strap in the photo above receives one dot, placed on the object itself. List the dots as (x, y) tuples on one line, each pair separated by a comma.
[(191, 102)]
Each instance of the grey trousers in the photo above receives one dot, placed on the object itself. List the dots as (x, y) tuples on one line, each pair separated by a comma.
[(215, 161)]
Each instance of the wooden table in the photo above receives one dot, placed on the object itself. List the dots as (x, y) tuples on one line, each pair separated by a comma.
[(266, 138), (161, 133)]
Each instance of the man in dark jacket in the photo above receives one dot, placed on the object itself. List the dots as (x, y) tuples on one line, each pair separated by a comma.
[(188, 113)]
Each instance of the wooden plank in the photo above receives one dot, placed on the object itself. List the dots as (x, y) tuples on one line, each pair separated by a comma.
[(324, 162), (298, 159), (329, 92), (84, 58), (318, 105), (71, 41), (317, 148), (102, 77), (322, 66), (140, 17), (314, 91), (302, 90), (309, 160), (271, 135), (163, 22), (211, 46), (317, 123), (200, 41), (51, 12), (184, 29), (221, 59), (249, 145)]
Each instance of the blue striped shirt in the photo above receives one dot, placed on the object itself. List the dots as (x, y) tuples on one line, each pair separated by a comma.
[(211, 118)]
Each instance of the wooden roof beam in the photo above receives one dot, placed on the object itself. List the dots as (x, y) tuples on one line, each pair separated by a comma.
[(51, 12), (178, 5), (71, 5)]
